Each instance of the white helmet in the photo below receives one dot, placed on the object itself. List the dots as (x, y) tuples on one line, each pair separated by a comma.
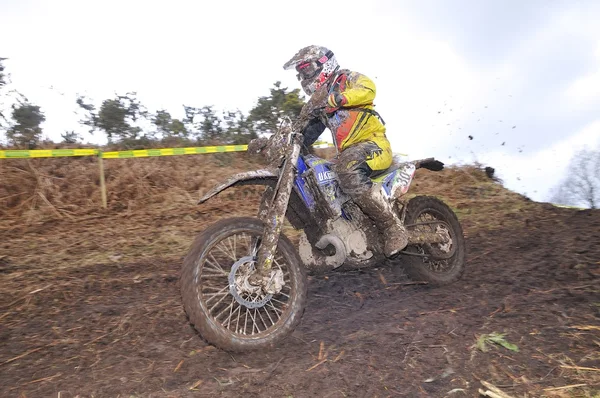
[(314, 64)]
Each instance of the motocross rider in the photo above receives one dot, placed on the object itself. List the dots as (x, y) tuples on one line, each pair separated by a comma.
[(342, 101)]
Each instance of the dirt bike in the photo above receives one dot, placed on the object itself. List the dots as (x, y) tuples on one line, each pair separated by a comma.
[(244, 284)]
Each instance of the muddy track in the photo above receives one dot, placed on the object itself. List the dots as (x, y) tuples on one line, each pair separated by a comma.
[(108, 330)]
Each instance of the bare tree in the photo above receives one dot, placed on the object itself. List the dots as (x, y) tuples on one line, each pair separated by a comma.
[(582, 185)]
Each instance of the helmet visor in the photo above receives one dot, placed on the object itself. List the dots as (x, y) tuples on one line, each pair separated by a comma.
[(308, 70)]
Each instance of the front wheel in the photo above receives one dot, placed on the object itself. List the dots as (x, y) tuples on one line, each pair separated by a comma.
[(223, 306), (441, 263)]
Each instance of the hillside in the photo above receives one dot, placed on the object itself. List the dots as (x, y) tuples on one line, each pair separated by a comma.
[(155, 200), (90, 300)]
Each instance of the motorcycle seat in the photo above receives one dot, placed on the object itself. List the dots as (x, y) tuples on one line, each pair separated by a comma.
[(378, 173)]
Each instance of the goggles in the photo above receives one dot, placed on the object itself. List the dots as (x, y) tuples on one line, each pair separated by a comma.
[(310, 70), (307, 70)]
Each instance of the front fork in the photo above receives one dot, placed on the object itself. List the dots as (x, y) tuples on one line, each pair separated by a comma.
[(274, 220)]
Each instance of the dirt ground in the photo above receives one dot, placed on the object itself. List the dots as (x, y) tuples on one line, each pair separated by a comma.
[(119, 330)]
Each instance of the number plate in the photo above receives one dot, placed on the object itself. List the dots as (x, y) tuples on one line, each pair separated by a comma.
[(402, 179)]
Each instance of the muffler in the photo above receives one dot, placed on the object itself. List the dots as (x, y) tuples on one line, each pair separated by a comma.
[(340, 250)]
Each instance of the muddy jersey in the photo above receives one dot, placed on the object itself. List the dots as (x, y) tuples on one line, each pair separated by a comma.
[(353, 122)]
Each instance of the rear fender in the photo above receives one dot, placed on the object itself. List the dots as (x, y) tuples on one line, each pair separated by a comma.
[(402, 179), (256, 177), (398, 181)]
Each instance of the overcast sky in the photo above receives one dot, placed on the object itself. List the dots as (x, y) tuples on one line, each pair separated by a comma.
[(521, 78)]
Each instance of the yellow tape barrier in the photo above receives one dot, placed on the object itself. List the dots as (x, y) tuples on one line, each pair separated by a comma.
[(173, 151), (59, 153), (46, 153), (140, 153)]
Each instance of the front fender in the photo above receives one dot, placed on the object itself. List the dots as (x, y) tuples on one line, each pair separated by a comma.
[(258, 177)]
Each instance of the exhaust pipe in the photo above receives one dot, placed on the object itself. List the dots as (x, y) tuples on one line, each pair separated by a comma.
[(340, 250)]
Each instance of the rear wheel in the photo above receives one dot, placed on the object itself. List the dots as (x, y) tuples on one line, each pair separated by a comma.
[(439, 263), (224, 307)]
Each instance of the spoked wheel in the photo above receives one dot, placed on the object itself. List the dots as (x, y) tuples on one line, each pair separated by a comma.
[(438, 263), (225, 308)]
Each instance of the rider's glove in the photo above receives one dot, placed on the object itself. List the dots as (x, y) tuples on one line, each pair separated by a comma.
[(433, 165), (335, 100), (257, 145)]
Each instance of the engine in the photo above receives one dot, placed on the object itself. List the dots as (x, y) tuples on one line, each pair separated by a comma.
[(347, 235), (345, 241)]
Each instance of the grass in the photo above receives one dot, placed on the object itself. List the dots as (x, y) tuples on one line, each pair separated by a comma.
[(494, 338)]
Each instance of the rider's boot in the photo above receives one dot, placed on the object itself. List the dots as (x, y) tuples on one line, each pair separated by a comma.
[(380, 210)]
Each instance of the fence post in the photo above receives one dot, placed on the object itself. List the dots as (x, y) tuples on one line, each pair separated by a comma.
[(102, 182)]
